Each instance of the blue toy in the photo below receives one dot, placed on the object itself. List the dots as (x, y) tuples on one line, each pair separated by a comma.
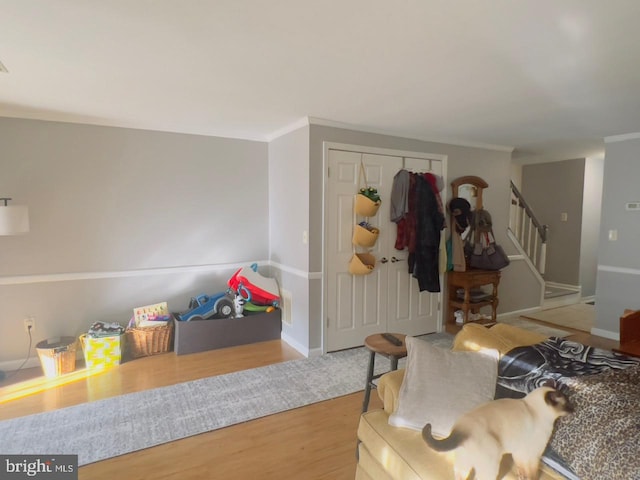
[(206, 306)]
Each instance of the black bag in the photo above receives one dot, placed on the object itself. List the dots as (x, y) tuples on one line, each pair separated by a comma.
[(491, 257)]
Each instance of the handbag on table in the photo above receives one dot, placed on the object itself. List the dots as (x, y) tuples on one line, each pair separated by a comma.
[(483, 252)]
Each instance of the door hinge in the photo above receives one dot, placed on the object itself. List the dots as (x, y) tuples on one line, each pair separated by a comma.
[(328, 171), (327, 322)]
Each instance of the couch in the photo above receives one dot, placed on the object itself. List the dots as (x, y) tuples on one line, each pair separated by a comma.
[(387, 452)]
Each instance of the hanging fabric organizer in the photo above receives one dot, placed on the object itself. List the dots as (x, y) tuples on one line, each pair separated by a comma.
[(362, 264), (364, 235), (367, 203), (365, 206)]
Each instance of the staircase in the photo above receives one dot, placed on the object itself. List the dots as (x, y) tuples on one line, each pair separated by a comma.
[(530, 237), (558, 295), (530, 234)]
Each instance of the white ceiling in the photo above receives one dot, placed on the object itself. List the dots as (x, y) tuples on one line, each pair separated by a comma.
[(551, 78)]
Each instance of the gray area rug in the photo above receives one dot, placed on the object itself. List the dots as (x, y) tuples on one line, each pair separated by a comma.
[(107, 428)]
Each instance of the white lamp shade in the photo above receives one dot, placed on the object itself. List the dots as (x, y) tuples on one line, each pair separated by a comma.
[(14, 219)]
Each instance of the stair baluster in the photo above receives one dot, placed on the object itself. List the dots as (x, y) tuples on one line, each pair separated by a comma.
[(529, 232)]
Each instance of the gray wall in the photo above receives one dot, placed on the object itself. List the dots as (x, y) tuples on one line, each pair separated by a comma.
[(551, 189), (591, 212), (289, 218), (618, 280), (518, 289), (122, 218), (289, 198)]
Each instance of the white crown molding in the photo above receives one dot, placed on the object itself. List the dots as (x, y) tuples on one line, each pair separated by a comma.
[(622, 138), (293, 126), (73, 120), (448, 141)]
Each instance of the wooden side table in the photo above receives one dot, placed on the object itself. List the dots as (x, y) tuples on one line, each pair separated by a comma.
[(469, 280), (377, 344)]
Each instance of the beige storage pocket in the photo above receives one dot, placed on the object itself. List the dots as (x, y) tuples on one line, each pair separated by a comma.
[(365, 206), (362, 264), (365, 237)]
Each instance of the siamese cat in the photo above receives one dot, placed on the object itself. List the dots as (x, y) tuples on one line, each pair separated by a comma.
[(521, 427)]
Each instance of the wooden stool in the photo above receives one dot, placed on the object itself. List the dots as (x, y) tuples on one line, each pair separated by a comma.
[(378, 344)]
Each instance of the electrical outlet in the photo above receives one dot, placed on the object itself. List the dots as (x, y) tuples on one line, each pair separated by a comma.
[(30, 324)]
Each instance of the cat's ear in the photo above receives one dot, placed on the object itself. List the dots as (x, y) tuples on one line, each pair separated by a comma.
[(551, 398), (558, 400)]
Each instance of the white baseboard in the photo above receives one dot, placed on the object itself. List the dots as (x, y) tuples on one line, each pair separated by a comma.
[(11, 365), (606, 334), (295, 344), (33, 362), (519, 313), (566, 286), (315, 352)]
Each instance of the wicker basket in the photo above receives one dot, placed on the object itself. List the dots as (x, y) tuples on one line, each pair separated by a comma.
[(146, 341), (57, 356)]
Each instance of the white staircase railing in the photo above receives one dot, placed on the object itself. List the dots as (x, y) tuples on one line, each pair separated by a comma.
[(528, 231)]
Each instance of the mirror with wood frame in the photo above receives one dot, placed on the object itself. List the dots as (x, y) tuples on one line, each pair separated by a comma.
[(470, 188)]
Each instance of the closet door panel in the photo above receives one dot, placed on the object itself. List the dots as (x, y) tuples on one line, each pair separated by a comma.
[(356, 304), (388, 298), (410, 311)]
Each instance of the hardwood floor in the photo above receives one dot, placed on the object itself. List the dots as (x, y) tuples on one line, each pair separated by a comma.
[(575, 335), (37, 394), (313, 442)]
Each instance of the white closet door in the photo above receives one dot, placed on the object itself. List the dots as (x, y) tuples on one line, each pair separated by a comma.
[(387, 299), (410, 311), (357, 304)]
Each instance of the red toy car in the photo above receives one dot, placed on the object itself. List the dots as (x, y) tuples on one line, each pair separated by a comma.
[(255, 288)]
